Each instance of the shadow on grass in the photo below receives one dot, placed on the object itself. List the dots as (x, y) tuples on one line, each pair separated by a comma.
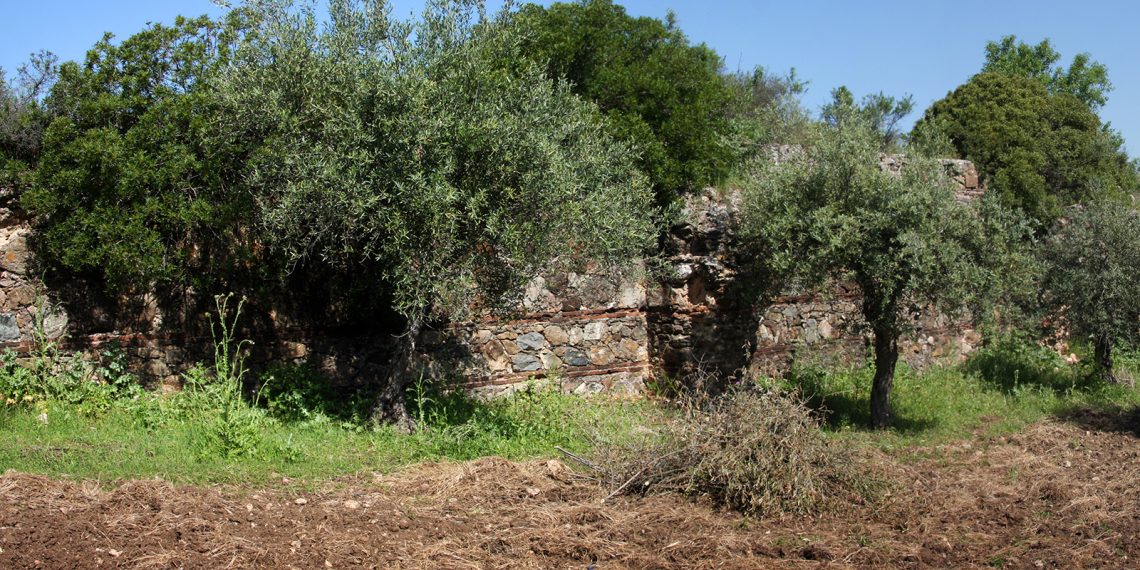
[(841, 397), (1014, 362)]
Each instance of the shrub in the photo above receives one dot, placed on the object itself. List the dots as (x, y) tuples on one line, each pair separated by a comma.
[(757, 449)]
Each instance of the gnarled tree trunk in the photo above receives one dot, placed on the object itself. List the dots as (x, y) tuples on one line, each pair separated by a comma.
[(886, 356), (391, 407)]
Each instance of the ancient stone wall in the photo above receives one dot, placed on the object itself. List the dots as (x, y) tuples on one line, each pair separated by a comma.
[(592, 333)]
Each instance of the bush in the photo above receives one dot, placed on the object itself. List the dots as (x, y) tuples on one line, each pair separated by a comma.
[(757, 449)]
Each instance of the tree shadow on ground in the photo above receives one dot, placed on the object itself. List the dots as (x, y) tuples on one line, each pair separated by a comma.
[(1122, 421), (841, 398)]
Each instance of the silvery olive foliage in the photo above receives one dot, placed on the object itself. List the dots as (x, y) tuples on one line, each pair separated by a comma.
[(831, 212), (1091, 282), (431, 150), (429, 147)]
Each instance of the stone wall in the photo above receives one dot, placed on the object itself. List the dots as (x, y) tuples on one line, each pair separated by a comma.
[(694, 321), (592, 333)]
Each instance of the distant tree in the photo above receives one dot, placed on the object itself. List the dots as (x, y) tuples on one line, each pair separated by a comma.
[(765, 110), (1090, 283), (662, 94), (24, 118), (831, 212), (130, 183), (1038, 151), (882, 112), (414, 147), (1088, 82)]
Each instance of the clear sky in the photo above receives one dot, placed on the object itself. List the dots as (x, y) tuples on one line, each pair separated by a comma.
[(921, 47)]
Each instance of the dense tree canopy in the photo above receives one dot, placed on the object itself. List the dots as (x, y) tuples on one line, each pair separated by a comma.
[(1087, 81), (132, 183), (1090, 283), (832, 212), (459, 176), (1038, 151), (660, 93)]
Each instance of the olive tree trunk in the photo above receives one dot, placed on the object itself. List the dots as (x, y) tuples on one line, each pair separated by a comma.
[(1103, 356), (886, 356), (391, 407)]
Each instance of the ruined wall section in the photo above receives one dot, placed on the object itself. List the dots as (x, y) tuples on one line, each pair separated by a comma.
[(587, 332)]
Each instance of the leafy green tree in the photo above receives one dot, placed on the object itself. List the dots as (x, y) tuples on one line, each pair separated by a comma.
[(1038, 151), (1087, 81), (660, 93), (412, 147), (1090, 284), (831, 212), (131, 184), (882, 112)]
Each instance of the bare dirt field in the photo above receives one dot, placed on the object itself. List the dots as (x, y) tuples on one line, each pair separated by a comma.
[(1061, 494)]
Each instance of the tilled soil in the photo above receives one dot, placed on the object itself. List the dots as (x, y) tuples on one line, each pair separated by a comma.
[(1061, 494)]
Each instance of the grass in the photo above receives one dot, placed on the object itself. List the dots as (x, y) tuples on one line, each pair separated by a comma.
[(116, 444), (1008, 384), (62, 415), (90, 420)]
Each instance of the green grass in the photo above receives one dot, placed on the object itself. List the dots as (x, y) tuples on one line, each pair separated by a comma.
[(125, 441), (89, 420), (1005, 386)]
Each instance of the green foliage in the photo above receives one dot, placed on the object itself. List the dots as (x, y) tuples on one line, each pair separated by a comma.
[(661, 93), (1038, 151), (132, 184), (455, 176), (24, 118), (881, 112), (296, 393), (1090, 285), (1087, 81), (831, 212), (452, 423), (87, 387), (765, 110), (903, 238), (1013, 361)]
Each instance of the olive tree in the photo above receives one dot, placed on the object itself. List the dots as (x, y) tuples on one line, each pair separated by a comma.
[(428, 148), (831, 212), (1091, 282)]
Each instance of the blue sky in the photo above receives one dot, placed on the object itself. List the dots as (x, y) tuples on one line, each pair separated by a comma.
[(924, 48)]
